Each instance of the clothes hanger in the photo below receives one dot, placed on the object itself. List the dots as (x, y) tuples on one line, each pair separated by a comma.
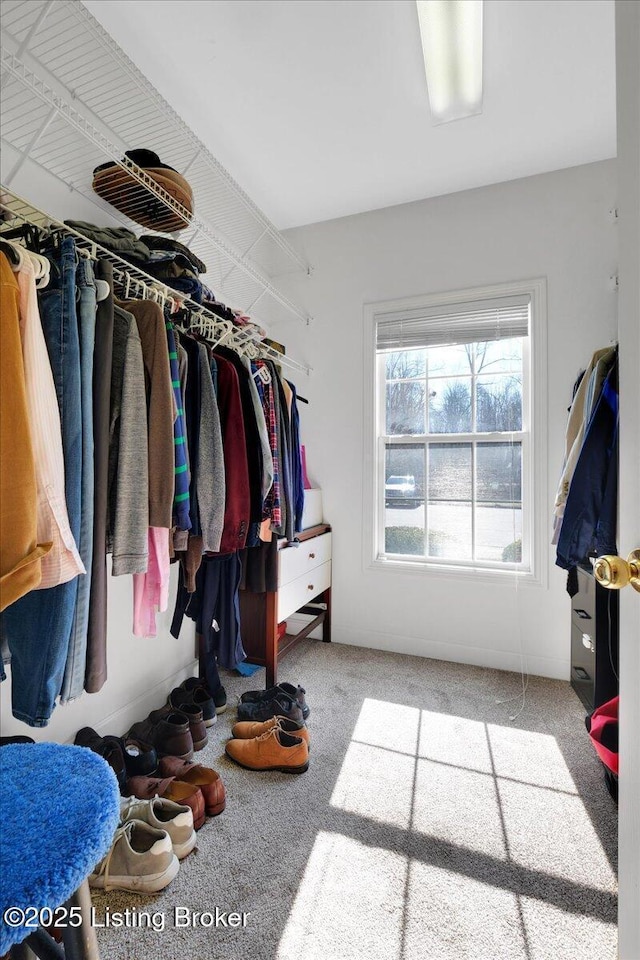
[(41, 265)]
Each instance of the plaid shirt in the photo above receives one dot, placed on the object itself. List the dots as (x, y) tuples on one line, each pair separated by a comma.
[(271, 508)]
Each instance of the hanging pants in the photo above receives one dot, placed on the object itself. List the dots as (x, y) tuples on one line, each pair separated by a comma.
[(38, 626), (215, 608)]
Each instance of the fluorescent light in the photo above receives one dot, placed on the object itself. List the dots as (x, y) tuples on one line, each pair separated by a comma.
[(451, 32)]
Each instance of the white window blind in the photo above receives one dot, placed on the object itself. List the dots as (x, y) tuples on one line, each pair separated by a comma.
[(455, 323)]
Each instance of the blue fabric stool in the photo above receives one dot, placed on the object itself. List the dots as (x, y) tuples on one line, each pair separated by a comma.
[(59, 810)]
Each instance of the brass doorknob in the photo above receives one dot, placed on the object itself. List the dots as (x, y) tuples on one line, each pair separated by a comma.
[(615, 572)]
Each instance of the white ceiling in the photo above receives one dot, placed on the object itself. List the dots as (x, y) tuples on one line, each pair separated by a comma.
[(319, 108)]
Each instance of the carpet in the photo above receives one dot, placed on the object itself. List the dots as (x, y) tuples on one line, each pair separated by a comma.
[(428, 827)]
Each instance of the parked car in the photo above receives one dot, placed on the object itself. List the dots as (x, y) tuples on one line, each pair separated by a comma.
[(399, 490)]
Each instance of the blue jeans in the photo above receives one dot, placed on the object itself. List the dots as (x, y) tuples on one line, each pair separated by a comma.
[(73, 683), (38, 626)]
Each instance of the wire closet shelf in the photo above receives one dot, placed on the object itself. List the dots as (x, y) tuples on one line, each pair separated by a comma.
[(135, 283), (71, 100)]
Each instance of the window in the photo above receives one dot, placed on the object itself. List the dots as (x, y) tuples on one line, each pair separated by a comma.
[(454, 477)]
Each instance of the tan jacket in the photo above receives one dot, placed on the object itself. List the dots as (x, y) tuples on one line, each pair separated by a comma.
[(20, 553)]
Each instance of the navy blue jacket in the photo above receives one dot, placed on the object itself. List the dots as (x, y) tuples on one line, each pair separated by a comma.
[(589, 523)]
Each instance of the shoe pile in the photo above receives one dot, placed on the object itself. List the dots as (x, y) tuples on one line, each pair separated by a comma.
[(271, 733), (155, 757)]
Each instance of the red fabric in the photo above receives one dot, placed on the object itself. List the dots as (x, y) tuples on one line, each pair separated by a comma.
[(237, 501), (600, 718)]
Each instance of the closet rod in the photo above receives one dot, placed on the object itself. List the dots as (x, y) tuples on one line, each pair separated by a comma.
[(246, 340)]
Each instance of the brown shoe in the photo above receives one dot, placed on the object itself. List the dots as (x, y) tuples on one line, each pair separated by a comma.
[(145, 788), (197, 726), (248, 729), (206, 779), (168, 731), (272, 750)]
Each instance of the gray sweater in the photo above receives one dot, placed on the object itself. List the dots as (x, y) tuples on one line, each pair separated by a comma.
[(211, 475), (128, 492)]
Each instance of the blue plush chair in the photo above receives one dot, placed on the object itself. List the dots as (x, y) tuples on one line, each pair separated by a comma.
[(59, 810)]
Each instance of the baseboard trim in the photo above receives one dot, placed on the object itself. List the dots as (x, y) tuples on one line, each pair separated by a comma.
[(154, 697), (554, 669)]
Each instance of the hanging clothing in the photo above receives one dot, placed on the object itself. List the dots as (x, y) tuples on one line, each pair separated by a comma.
[(38, 626), (237, 500), (21, 563), (297, 472), (159, 405), (96, 665), (265, 447), (271, 512), (211, 471), (216, 610), (589, 523), (585, 396), (151, 589), (128, 484), (191, 393), (181, 506), (252, 443), (73, 682)]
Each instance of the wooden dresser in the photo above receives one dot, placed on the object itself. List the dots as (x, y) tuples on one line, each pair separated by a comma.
[(304, 586)]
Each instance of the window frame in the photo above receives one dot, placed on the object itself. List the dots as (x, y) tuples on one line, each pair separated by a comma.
[(532, 436)]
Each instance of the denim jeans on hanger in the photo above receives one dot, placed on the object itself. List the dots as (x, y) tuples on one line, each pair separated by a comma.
[(38, 626), (73, 683)]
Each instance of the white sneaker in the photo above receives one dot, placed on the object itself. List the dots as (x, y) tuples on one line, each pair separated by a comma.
[(163, 814), (141, 859)]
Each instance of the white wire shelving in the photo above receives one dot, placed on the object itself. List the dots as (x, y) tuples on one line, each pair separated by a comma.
[(134, 281), (72, 99)]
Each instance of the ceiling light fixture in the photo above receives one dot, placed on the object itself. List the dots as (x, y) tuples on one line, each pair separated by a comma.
[(451, 33)]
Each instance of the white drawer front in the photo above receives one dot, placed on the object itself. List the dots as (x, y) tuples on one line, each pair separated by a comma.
[(293, 562), (295, 594)]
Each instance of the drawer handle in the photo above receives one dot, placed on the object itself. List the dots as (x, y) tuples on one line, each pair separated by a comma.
[(310, 587), (312, 556), (588, 642)]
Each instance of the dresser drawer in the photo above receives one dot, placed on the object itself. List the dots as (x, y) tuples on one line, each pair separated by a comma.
[(294, 562), (583, 604), (293, 595)]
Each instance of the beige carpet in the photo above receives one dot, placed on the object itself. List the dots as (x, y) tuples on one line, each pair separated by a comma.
[(428, 827)]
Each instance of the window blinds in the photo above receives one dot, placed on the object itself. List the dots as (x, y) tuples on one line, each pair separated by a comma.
[(454, 323)]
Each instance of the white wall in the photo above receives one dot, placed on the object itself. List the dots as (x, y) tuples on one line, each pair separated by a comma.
[(556, 226), (140, 671)]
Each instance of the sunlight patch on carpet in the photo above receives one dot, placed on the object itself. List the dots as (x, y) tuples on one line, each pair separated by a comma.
[(349, 905)]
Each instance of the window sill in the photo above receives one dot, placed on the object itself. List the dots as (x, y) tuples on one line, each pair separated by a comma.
[(431, 568)]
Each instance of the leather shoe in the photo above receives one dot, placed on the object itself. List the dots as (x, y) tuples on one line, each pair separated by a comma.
[(208, 781), (248, 729), (145, 788), (110, 749), (168, 731), (272, 750)]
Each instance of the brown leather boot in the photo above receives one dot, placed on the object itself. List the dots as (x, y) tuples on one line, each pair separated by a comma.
[(272, 750)]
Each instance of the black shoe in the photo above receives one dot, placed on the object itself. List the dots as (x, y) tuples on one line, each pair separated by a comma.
[(140, 758), (5, 741), (219, 696), (109, 749), (281, 706), (282, 689), (197, 696)]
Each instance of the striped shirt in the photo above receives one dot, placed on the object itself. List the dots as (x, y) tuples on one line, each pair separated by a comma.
[(181, 504)]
